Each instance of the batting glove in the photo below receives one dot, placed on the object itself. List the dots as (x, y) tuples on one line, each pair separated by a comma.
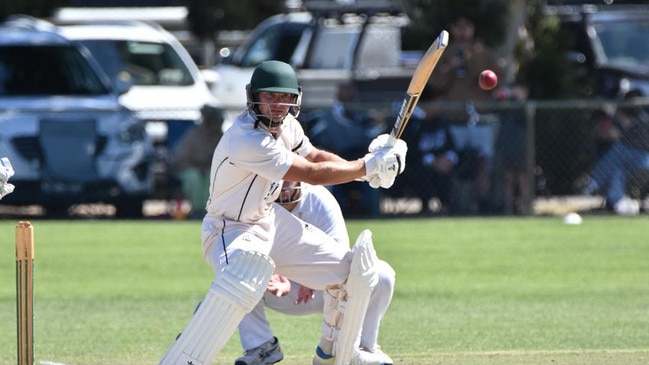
[(6, 171), (382, 142), (376, 182), (378, 143)]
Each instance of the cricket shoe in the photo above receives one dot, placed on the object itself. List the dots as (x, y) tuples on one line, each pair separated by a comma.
[(363, 357), (382, 356), (268, 352), (627, 206), (320, 358)]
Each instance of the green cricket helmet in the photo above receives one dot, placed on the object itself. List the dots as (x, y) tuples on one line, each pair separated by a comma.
[(274, 77)]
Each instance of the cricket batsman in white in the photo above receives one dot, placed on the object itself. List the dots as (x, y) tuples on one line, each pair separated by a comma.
[(314, 204), (246, 236)]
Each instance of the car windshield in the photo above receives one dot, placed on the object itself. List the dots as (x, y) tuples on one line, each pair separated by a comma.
[(47, 70), (140, 63), (624, 44)]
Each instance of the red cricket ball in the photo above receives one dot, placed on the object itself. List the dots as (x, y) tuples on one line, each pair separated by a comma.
[(487, 80)]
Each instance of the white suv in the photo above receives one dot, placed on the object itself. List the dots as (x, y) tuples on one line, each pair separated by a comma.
[(61, 125), (168, 90)]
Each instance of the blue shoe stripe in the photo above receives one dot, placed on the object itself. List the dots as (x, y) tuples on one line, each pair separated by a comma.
[(321, 353)]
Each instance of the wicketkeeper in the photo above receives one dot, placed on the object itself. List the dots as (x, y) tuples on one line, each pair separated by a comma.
[(315, 205)]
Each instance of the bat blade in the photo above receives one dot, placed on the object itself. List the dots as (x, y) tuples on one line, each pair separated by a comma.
[(417, 83)]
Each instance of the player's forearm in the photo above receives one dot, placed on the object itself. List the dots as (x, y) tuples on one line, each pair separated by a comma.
[(322, 155), (327, 172)]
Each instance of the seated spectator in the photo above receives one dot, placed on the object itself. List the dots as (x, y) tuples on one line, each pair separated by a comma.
[(192, 158), (626, 157), (431, 162), (455, 80), (346, 129), (510, 157)]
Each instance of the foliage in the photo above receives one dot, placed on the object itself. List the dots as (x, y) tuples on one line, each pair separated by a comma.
[(429, 17), (544, 67)]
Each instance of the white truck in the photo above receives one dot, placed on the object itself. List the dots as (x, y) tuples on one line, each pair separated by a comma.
[(327, 44)]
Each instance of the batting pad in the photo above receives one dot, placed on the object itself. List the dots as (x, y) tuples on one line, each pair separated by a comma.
[(363, 277), (234, 292)]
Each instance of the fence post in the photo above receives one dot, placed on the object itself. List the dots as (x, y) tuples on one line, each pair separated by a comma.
[(530, 135)]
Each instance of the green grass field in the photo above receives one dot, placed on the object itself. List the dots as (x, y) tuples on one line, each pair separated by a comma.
[(469, 291)]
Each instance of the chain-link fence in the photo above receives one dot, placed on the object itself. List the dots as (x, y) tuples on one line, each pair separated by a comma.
[(510, 158)]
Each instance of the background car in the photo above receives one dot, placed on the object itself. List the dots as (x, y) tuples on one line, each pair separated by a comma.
[(327, 44), (69, 139), (167, 88), (608, 47)]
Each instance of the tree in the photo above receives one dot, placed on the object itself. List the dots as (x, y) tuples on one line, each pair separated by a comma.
[(544, 68)]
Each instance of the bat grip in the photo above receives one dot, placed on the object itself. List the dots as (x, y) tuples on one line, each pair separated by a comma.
[(392, 140)]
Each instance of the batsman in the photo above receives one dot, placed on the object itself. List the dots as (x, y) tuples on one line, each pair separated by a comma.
[(246, 236)]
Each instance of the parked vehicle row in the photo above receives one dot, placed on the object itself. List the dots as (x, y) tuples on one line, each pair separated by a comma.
[(88, 113)]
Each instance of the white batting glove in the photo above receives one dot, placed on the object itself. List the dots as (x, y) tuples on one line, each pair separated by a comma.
[(6, 188), (381, 142), (400, 149), (6, 171), (376, 182), (378, 143), (382, 162), (383, 166)]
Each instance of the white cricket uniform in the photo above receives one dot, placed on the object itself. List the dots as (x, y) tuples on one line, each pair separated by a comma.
[(321, 209), (246, 177)]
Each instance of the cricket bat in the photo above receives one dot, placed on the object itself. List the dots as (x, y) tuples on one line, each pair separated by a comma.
[(417, 84)]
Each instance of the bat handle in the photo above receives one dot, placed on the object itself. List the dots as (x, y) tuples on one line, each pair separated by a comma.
[(392, 140)]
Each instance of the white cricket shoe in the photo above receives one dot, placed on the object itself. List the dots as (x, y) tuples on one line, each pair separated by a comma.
[(363, 357), (385, 359), (267, 353), (627, 206)]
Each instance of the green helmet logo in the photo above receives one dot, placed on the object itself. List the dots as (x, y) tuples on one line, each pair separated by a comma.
[(274, 76)]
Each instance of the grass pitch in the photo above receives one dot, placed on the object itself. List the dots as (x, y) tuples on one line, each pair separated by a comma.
[(469, 291)]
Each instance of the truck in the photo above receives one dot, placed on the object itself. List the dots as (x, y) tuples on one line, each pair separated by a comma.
[(327, 43)]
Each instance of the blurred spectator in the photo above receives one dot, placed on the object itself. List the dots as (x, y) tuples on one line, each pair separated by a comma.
[(627, 157), (455, 79), (192, 158), (431, 163), (607, 130), (347, 129), (510, 156), (456, 76)]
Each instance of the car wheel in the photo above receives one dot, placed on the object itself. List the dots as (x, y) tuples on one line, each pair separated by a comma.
[(129, 208), (57, 210)]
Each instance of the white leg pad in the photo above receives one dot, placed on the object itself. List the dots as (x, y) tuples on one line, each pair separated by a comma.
[(363, 276), (234, 292)]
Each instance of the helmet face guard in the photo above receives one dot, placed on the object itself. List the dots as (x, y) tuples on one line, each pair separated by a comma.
[(291, 193), (273, 77), (253, 105)]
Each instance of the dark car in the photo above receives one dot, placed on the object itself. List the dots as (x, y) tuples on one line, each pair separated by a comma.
[(611, 43)]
